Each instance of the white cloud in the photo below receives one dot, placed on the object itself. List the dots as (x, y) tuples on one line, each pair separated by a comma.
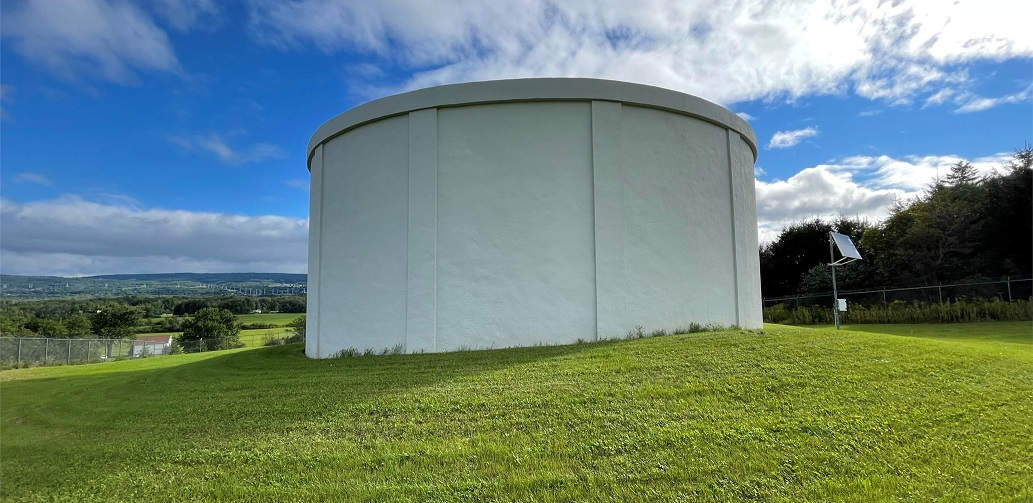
[(186, 14), (30, 177), (786, 139), (114, 39), (724, 51), (217, 145), (939, 97), (70, 235), (972, 103), (857, 186), (745, 116)]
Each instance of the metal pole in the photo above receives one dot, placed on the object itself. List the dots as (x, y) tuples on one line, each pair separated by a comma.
[(46, 351), (120, 348), (19, 351), (835, 293), (883, 295), (68, 361), (89, 347), (939, 293), (1009, 288)]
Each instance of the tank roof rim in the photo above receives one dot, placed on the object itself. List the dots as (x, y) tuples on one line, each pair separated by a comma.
[(531, 90)]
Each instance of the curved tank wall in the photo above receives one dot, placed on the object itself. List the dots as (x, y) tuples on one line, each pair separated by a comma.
[(530, 211)]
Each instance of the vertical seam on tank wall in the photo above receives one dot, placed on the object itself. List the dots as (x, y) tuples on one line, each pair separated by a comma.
[(319, 252), (437, 201), (731, 198), (408, 229), (595, 224)]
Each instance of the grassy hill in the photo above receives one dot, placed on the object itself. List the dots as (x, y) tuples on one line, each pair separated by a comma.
[(791, 414)]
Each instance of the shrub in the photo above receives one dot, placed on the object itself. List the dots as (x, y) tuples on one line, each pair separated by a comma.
[(297, 326), (956, 311), (210, 328)]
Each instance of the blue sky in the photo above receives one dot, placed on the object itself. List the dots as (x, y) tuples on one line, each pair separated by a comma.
[(169, 135)]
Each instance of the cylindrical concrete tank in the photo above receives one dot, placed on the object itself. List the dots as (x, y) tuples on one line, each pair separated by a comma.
[(529, 211)]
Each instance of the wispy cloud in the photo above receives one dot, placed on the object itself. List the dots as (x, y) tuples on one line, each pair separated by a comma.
[(6, 91), (30, 177), (110, 39), (183, 15), (297, 183), (215, 144), (972, 103), (786, 139), (745, 116)]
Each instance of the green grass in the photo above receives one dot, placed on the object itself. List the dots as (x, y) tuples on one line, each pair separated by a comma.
[(250, 338), (257, 337), (1017, 332), (793, 414), (278, 319)]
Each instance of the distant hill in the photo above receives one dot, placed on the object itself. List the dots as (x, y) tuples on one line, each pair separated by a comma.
[(209, 277), (249, 283)]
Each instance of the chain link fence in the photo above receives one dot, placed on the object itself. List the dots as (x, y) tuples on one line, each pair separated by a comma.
[(1005, 289), (36, 351)]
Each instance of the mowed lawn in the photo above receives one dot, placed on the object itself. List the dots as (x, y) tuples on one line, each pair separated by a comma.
[(790, 414), (1019, 332)]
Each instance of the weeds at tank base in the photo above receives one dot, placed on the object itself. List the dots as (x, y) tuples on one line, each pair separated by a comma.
[(639, 332)]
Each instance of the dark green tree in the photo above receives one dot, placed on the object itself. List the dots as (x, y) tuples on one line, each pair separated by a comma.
[(962, 173), (963, 228), (798, 249), (115, 321), (209, 329), (78, 325)]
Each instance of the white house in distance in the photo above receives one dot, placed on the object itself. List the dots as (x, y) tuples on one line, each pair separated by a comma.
[(150, 345)]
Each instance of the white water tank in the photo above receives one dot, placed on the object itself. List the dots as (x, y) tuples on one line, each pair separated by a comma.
[(529, 211)]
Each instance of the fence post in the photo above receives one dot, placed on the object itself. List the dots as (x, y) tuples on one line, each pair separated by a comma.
[(1009, 288), (939, 293), (120, 348), (68, 361), (19, 351), (89, 348), (46, 351), (883, 295)]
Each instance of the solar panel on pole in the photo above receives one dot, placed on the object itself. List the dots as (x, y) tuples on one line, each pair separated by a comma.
[(845, 245)]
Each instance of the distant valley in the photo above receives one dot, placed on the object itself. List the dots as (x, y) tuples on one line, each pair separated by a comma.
[(192, 284)]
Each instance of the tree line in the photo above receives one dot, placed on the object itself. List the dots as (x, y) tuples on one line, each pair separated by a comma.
[(108, 319), (964, 227)]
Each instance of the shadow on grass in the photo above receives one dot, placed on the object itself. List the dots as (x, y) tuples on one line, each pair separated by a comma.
[(254, 377)]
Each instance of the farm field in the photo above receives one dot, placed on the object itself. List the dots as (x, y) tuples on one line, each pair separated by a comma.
[(790, 414), (257, 336), (278, 319)]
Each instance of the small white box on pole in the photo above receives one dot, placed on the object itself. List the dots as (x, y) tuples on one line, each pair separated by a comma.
[(841, 303)]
